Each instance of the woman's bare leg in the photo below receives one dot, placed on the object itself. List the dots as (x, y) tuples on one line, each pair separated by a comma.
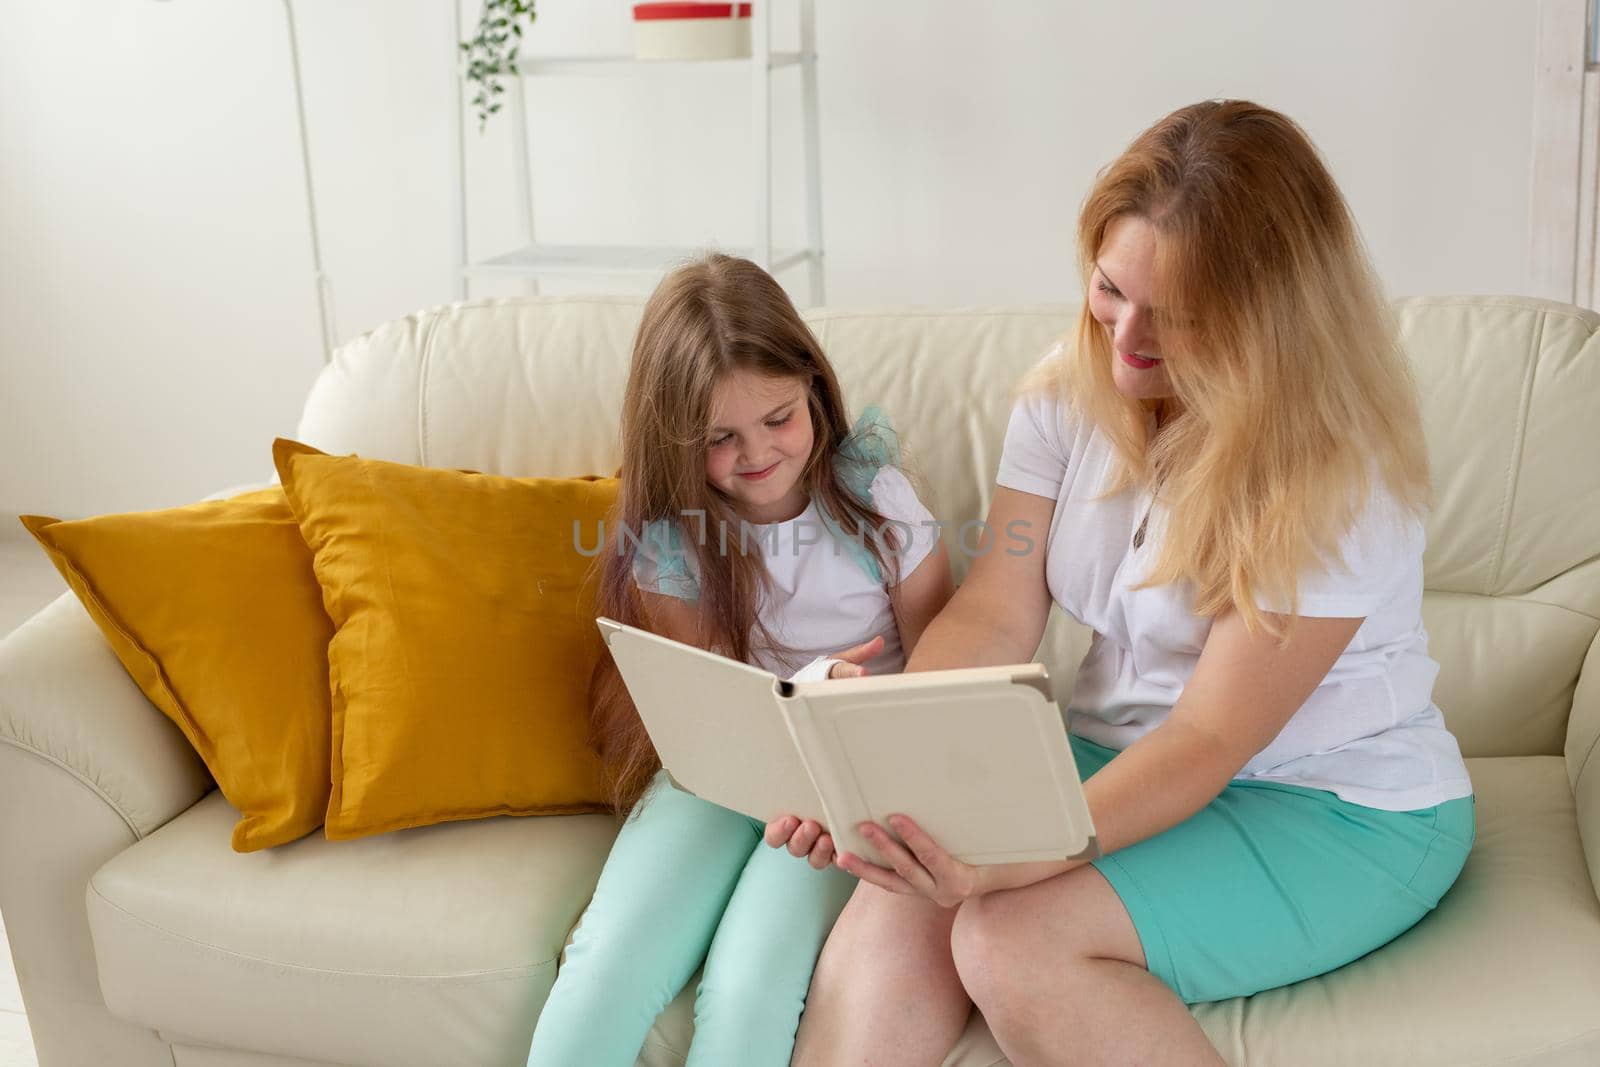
[(885, 990), (1060, 974)]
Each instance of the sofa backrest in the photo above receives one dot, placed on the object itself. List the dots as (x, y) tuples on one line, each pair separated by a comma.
[(1511, 399), (1511, 406)]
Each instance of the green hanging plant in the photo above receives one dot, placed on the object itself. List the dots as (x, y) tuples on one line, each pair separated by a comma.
[(487, 55)]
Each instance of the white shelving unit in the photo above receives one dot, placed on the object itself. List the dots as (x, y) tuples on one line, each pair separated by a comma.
[(534, 259)]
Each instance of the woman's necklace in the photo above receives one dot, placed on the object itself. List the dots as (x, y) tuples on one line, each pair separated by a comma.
[(1138, 535)]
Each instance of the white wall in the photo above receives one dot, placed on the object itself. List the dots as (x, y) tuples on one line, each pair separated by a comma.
[(157, 321)]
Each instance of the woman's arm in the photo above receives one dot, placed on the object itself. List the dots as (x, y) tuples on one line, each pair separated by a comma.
[(1243, 691), (998, 614)]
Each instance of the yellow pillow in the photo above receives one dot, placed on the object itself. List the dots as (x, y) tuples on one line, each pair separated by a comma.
[(214, 611), (465, 637)]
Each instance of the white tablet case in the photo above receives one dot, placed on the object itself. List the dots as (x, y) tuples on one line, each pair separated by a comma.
[(978, 757)]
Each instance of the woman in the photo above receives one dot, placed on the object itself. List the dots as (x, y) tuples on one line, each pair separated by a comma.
[(1226, 465)]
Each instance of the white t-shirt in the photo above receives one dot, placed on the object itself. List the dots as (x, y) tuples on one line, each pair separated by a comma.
[(1369, 733), (822, 597)]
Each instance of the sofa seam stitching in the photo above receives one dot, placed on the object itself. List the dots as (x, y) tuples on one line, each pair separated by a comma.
[(1516, 598), (1549, 308), (1544, 603), (424, 369), (189, 726), (1531, 1055), (668, 1049), (1583, 765), (475, 978), (1588, 756), (81, 778), (1514, 463), (954, 313)]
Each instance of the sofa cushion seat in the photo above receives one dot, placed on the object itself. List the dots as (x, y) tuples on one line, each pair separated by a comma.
[(437, 945), (1520, 929), (419, 947)]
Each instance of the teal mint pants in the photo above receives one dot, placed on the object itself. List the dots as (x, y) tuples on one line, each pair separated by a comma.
[(689, 882)]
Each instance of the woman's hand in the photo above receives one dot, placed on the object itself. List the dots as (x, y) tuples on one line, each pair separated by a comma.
[(920, 867)]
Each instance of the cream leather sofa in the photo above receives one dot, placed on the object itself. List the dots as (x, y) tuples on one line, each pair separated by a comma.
[(141, 939)]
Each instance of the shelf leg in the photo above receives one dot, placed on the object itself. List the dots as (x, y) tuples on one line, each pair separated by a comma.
[(761, 129), (808, 87), (325, 322), (524, 171), (458, 168)]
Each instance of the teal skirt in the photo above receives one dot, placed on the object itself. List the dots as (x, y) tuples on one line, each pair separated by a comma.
[(1273, 883)]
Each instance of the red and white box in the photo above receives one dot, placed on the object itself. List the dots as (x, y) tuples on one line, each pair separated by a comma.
[(691, 31)]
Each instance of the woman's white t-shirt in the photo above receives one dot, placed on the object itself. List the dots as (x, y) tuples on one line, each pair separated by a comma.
[(820, 599), (1369, 733)]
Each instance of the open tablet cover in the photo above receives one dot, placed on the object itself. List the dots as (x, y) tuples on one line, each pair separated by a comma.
[(978, 756)]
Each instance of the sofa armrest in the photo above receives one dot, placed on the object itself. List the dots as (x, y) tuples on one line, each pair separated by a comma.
[(66, 699), (87, 767), (1583, 757)]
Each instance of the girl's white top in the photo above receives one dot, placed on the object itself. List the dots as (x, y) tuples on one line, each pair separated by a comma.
[(823, 598)]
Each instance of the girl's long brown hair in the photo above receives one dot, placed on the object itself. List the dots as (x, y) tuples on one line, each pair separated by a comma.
[(1293, 398), (705, 320)]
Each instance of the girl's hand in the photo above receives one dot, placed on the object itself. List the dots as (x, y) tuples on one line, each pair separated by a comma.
[(923, 869), (855, 658), (804, 838)]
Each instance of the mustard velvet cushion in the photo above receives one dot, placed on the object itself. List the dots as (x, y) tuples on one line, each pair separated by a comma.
[(214, 611), (464, 637)]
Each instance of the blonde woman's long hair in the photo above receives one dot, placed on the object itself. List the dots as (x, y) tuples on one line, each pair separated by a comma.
[(713, 316), (1293, 398)]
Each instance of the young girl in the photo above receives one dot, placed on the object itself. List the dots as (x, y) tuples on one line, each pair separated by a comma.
[(756, 522)]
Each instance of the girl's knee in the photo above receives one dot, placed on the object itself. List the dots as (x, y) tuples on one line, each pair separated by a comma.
[(771, 999), (757, 976)]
